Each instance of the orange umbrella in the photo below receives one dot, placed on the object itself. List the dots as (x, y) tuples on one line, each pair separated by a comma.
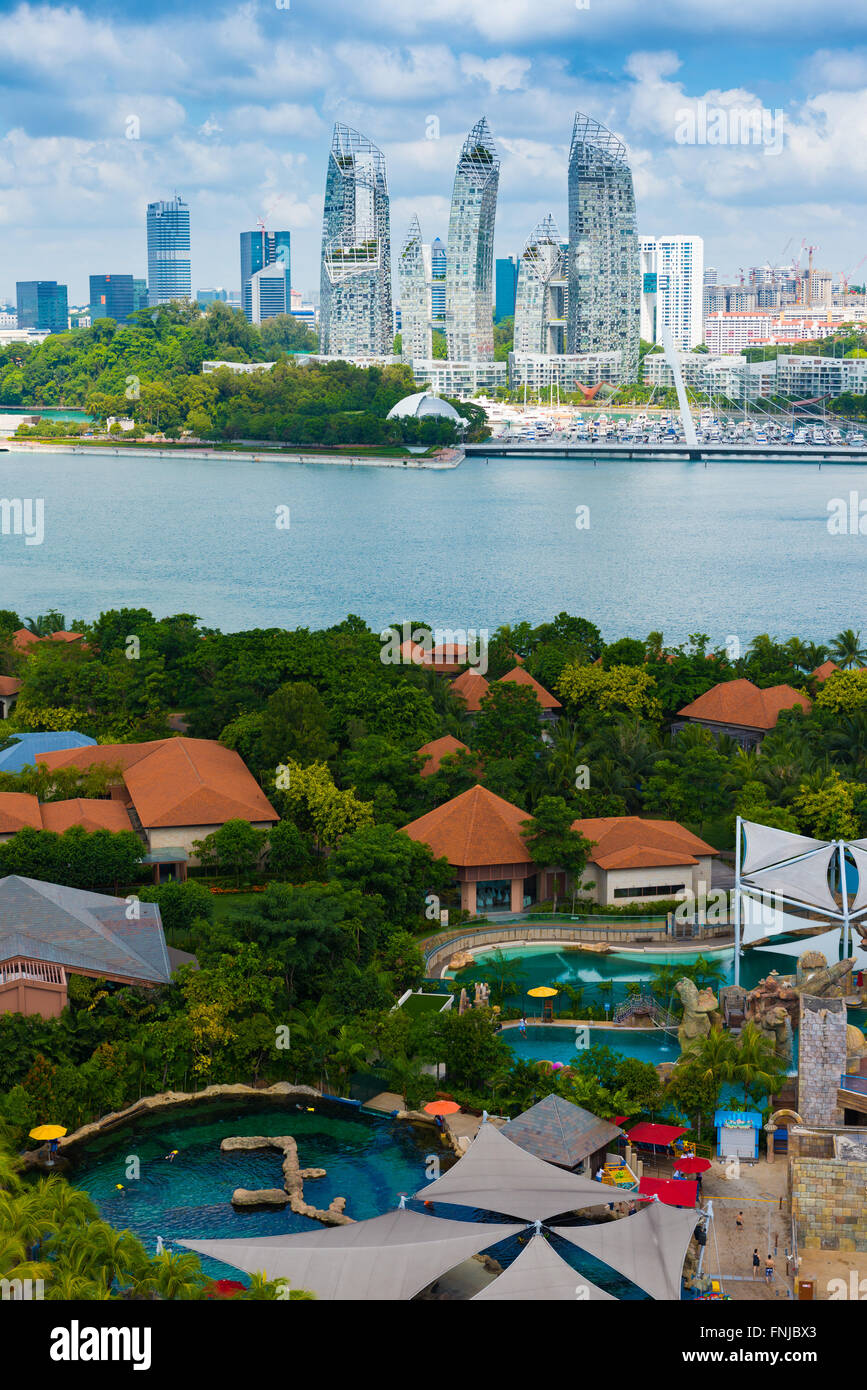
[(442, 1107)]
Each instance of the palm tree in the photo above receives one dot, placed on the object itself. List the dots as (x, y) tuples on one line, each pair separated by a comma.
[(506, 976), (176, 1276), (271, 1290), (714, 1057), (348, 1055), (756, 1063), (846, 649), (316, 1026), (404, 1075)]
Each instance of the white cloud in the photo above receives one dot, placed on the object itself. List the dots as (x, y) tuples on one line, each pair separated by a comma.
[(503, 74)]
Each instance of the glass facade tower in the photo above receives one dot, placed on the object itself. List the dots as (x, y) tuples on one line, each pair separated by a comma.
[(259, 250), (470, 260), (112, 297), (540, 300), (42, 304), (169, 272), (438, 287), (355, 297), (415, 280), (604, 284)]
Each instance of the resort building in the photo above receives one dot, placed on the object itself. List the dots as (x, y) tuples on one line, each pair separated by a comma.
[(471, 687), (30, 749), (19, 810), (540, 303), (481, 836), (48, 931), (560, 1132), (9, 688), (415, 282), (168, 236), (439, 748), (355, 313), (549, 705), (604, 284), (635, 859), (741, 710), (23, 638), (176, 791), (470, 261)]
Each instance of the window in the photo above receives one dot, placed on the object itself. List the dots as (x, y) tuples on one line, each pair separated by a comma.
[(652, 890)]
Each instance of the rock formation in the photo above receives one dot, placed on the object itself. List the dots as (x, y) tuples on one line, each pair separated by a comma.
[(698, 1005), (292, 1193)]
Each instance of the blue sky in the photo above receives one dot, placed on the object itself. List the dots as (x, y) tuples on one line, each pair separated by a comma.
[(236, 101)]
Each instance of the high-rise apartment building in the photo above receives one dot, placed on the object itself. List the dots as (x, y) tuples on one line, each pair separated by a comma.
[(112, 297), (470, 259), (438, 285), (169, 270), (259, 250), (42, 304), (415, 281), (355, 313), (505, 287), (540, 305), (672, 289), (604, 285)]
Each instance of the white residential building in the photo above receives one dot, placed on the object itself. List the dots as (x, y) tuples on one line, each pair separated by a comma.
[(672, 289)]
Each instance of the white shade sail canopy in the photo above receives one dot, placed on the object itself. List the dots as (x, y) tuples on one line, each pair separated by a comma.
[(827, 942), (649, 1248), (765, 845), (390, 1257), (858, 850), (497, 1175), (539, 1274), (805, 881)]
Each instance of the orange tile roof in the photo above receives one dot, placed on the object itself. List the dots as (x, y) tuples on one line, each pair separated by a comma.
[(521, 677), (24, 638), (632, 842), (438, 749), (9, 685), (178, 781), (472, 829), (17, 810), (826, 669), (472, 688), (89, 812), (742, 703)]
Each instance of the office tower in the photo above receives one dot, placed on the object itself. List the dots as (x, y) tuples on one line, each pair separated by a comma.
[(540, 300), (267, 293), (438, 285), (355, 297), (259, 250), (604, 271), (169, 273), (470, 260), (505, 288), (111, 297), (672, 289), (140, 294), (213, 295), (415, 280), (42, 304)]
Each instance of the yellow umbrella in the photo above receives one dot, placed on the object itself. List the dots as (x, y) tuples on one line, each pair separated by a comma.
[(47, 1132), (542, 992)]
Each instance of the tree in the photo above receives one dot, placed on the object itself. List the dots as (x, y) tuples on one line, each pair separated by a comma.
[(551, 840), (235, 847), (317, 806), (379, 859), (847, 650), (508, 723), (304, 930), (295, 725), (844, 692), (629, 688), (828, 812), (755, 1063), (289, 852), (180, 904)]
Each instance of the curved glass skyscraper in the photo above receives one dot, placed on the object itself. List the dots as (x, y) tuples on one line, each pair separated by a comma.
[(355, 304), (415, 282), (540, 299), (603, 247), (470, 259)]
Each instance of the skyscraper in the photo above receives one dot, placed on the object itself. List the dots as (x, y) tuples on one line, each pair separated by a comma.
[(260, 249), (672, 289), (169, 271), (505, 287), (416, 295), (42, 304), (111, 297), (355, 298), (603, 247), (267, 293), (438, 285), (470, 260), (540, 302)]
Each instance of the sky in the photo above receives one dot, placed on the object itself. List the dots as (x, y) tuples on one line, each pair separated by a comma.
[(233, 106)]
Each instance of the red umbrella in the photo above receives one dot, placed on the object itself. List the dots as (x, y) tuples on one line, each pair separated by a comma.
[(442, 1107), (692, 1165)]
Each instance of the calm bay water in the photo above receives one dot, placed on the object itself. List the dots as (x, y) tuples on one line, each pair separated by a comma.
[(725, 549)]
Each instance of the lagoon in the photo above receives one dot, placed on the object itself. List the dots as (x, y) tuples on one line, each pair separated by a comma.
[(727, 548)]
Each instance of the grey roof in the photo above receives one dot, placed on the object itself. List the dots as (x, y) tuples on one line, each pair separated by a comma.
[(649, 1248), (539, 1274), (81, 930), (421, 404), (389, 1257), (495, 1175), (560, 1132)]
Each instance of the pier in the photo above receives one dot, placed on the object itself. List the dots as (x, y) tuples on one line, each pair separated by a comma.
[(695, 453)]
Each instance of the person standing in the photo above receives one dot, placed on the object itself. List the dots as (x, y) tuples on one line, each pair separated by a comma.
[(769, 1268), (739, 1221), (756, 1263)]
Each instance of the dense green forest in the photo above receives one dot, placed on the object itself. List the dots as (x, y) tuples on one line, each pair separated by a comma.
[(151, 371)]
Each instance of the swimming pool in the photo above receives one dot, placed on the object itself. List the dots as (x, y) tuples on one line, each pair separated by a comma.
[(556, 1043)]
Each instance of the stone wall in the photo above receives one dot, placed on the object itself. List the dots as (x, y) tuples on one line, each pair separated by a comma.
[(821, 1060), (828, 1203), (811, 1143)]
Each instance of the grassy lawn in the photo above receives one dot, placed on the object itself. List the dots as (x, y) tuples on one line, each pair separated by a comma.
[(272, 447)]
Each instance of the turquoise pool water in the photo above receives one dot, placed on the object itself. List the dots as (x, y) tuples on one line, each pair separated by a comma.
[(368, 1160), (556, 1043)]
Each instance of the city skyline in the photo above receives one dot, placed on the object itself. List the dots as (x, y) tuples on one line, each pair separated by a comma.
[(77, 166)]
